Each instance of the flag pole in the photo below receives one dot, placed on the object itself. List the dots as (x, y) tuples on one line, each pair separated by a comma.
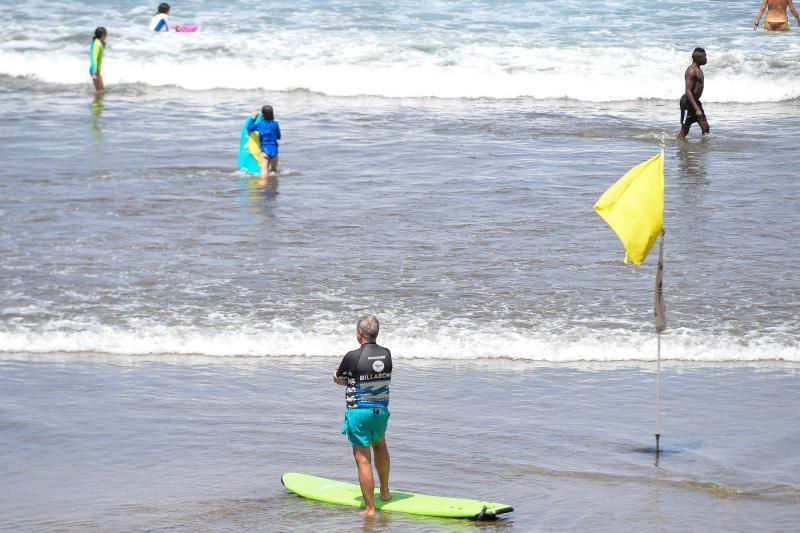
[(634, 208), (660, 324), (658, 395)]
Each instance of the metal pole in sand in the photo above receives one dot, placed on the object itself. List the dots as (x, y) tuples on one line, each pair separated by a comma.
[(658, 395), (661, 325)]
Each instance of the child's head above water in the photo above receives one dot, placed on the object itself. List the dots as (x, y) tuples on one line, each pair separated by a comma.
[(163, 7), (267, 113)]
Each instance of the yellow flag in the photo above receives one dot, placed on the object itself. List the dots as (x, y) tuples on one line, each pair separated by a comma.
[(634, 208)]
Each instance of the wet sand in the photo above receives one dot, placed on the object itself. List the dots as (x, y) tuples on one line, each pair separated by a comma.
[(129, 443)]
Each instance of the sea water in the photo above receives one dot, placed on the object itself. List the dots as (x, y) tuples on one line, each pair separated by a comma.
[(439, 165)]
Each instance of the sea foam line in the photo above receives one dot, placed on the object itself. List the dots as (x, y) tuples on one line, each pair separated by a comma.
[(451, 343), (579, 74)]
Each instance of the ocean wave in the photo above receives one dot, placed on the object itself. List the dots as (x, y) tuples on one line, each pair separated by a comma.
[(392, 71), (454, 342)]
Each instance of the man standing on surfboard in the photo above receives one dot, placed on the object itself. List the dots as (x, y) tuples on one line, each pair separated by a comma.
[(366, 373)]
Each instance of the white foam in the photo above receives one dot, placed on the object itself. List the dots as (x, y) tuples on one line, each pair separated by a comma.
[(465, 341), (388, 70)]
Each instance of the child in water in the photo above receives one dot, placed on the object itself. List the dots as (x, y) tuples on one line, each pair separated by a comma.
[(96, 56), (269, 132), (160, 21)]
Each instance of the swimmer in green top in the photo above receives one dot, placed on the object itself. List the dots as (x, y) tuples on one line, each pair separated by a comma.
[(96, 57)]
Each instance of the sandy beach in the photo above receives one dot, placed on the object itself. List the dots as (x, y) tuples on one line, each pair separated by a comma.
[(197, 443)]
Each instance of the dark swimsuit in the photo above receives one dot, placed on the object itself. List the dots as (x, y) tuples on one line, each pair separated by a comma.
[(688, 115)]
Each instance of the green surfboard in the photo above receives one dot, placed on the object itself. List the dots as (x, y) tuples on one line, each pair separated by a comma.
[(349, 494)]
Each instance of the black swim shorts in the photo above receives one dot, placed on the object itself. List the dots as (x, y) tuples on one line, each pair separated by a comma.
[(688, 116)]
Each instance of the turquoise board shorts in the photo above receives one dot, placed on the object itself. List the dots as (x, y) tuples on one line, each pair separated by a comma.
[(365, 425)]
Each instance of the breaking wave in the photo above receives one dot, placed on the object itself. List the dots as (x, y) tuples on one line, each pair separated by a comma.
[(461, 341)]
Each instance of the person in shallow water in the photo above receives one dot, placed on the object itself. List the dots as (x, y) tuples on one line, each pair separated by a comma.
[(366, 373), (776, 19), (96, 51), (269, 133), (691, 107), (160, 21)]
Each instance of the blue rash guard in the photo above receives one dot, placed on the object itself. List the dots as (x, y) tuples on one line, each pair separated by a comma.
[(268, 134)]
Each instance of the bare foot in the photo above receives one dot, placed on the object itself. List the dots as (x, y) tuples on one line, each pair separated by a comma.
[(386, 496), (367, 512)]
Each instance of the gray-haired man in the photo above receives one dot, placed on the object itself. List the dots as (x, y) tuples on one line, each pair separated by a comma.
[(366, 373)]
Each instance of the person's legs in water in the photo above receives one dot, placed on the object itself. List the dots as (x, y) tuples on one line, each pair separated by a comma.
[(273, 162), (704, 127), (97, 79), (382, 465), (263, 163), (685, 124), (363, 457)]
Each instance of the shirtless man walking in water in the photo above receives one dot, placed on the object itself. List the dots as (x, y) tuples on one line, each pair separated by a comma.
[(691, 108), (776, 19)]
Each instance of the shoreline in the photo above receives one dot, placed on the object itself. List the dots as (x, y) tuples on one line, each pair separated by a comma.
[(499, 363)]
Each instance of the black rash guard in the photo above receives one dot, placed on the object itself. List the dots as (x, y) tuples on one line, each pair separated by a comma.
[(368, 371)]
